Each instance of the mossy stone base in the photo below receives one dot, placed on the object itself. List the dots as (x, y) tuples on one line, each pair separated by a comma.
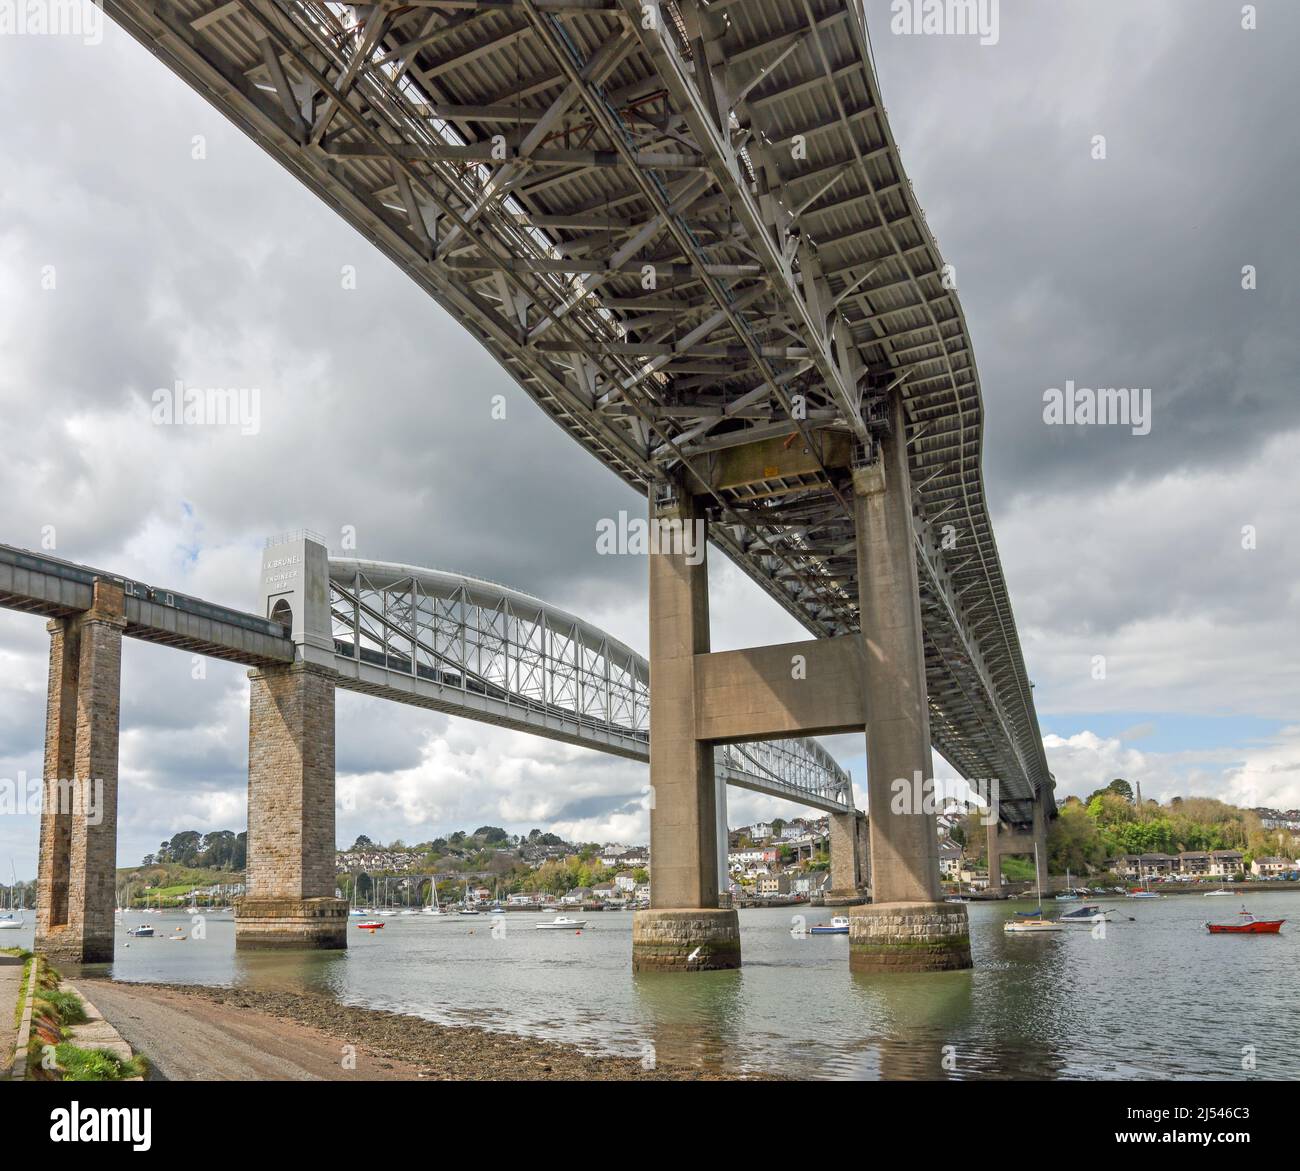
[(909, 937), (291, 924), (687, 940)]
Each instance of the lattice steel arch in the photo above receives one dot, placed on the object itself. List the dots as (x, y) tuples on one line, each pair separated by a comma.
[(474, 648)]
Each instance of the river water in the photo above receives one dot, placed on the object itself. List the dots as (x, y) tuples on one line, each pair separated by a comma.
[(1156, 997)]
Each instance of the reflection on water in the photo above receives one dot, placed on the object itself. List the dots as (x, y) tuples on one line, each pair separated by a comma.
[(1158, 997)]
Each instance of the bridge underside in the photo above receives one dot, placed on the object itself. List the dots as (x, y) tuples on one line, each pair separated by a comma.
[(685, 230)]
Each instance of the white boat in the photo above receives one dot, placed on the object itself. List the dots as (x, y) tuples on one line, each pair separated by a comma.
[(9, 922), (143, 931), (562, 923), (1024, 925), (1209, 894), (839, 925)]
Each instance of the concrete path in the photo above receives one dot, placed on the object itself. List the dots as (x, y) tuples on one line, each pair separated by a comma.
[(11, 978), (186, 1039)]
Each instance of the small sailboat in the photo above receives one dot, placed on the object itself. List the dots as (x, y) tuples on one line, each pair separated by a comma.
[(1246, 924), (1028, 925), (1068, 895), (8, 922), (1223, 890), (839, 925), (433, 908)]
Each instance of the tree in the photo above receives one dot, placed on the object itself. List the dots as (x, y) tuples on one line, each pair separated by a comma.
[(1123, 788), (363, 843), (490, 834)]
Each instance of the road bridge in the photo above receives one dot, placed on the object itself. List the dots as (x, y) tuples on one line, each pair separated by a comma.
[(684, 228)]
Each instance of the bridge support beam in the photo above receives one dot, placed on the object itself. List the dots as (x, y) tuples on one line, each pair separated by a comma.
[(290, 901), (1040, 843), (995, 859), (847, 831), (78, 848), (907, 928), (684, 929)]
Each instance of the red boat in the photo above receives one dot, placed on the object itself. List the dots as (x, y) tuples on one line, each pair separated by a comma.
[(1249, 925), (371, 925)]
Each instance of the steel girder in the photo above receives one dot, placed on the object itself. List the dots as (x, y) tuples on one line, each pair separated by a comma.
[(680, 226), (472, 648)]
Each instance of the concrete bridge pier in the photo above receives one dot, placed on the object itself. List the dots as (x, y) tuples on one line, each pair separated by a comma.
[(995, 859), (289, 900), (78, 848), (848, 833), (1040, 844), (907, 927), (684, 929)]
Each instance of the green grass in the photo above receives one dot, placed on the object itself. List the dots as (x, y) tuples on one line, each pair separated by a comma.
[(28, 961), (94, 1065), (65, 1007)]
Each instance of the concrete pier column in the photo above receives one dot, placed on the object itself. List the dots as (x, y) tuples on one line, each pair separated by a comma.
[(907, 927), (1040, 841), (724, 837), (289, 900), (77, 871), (995, 859), (846, 857), (684, 929)]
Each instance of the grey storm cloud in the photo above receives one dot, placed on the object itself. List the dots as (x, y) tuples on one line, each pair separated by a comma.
[(376, 406), (1119, 272)]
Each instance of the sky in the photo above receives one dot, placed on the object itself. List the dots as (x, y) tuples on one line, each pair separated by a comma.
[(144, 241)]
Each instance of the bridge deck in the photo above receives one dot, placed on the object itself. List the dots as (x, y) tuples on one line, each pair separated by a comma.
[(686, 231)]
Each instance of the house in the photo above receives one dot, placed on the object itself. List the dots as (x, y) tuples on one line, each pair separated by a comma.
[(760, 830), (1271, 867), (950, 858), (1125, 865), (525, 898), (605, 892), (1225, 863), (642, 893), (773, 884), (754, 856), (813, 882), (1195, 863), (625, 882), (1150, 865), (577, 896)]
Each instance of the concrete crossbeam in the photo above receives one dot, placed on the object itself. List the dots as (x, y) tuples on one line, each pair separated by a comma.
[(791, 689)]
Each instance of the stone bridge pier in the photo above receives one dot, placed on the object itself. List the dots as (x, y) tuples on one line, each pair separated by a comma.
[(289, 899), (875, 680), (78, 849)]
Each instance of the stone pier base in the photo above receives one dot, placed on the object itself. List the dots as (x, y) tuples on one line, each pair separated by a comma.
[(909, 937), (689, 940), (289, 923), (65, 946), (843, 898)]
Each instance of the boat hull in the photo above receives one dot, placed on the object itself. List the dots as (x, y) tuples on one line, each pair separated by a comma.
[(1259, 927)]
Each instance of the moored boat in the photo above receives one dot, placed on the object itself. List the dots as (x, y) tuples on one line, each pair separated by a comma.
[(839, 925), (370, 924), (143, 931), (1247, 925), (562, 923)]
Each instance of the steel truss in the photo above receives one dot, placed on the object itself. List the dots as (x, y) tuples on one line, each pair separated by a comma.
[(683, 227), (472, 648)]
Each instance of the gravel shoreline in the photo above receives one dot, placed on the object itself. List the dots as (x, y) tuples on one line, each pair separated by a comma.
[(441, 1052)]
